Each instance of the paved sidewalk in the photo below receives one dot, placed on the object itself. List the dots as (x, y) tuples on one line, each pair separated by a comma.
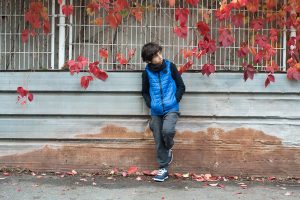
[(54, 187)]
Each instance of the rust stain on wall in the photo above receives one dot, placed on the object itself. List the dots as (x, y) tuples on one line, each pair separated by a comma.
[(242, 151)]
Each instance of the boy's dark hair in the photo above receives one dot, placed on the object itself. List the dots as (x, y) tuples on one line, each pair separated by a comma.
[(149, 50)]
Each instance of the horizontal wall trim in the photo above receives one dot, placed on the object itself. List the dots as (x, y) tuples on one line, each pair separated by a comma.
[(132, 104), (131, 81)]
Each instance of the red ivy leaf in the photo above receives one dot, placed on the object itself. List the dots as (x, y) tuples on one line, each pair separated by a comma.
[(235, 4), (73, 67), (271, 3), (208, 69), (249, 71), (98, 21), (32, 16), (192, 2), (82, 61), (203, 28), (67, 10), (103, 53), (207, 45), (105, 4), (272, 67), (270, 78), (224, 12), (22, 92), (258, 58), (181, 15), (291, 42), (33, 33), (269, 51), (187, 53), (46, 26), (237, 19), (25, 35), (76, 66), (293, 73), (92, 7), (114, 19), (257, 24), (121, 59), (85, 81), (120, 5), (291, 62), (59, 2), (131, 53), (30, 97), (252, 5), (137, 12), (225, 37), (94, 69), (185, 67), (193, 52), (243, 2), (181, 31), (261, 40), (274, 35), (243, 50), (171, 3)]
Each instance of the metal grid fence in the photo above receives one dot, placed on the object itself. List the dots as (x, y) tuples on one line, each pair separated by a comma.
[(85, 38), (15, 55), (157, 25)]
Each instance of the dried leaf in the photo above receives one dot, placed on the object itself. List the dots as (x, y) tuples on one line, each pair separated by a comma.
[(6, 174), (132, 170), (177, 175)]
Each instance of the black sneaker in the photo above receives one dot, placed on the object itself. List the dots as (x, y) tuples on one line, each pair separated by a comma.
[(162, 175), (170, 155)]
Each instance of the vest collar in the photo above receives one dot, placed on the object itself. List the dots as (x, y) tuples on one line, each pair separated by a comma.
[(157, 68)]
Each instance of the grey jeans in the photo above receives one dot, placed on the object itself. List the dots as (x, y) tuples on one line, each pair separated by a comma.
[(163, 129)]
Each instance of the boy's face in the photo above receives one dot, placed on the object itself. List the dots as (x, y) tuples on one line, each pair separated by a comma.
[(157, 58)]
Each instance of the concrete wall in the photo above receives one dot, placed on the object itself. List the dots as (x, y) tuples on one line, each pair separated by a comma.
[(227, 127)]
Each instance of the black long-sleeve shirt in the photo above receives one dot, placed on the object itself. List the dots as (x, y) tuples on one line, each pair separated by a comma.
[(180, 87)]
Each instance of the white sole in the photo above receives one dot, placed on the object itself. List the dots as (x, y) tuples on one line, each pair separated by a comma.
[(161, 180)]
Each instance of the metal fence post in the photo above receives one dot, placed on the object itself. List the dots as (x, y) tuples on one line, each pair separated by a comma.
[(61, 39), (53, 35)]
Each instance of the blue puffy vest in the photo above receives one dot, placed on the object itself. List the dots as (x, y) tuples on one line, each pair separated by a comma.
[(162, 90)]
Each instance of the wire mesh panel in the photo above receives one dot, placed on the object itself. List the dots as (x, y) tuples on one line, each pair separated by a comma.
[(157, 25), (86, 35), (36, 53)]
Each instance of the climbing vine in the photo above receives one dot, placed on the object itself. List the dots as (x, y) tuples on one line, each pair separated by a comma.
[(261, 47)]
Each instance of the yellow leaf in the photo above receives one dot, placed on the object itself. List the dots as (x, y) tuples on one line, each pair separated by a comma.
[(98, 21)]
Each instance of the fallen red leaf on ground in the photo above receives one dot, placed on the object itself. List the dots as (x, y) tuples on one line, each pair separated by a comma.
[(132, 170)]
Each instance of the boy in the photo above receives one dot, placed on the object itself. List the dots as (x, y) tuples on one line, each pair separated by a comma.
[(162, 89)]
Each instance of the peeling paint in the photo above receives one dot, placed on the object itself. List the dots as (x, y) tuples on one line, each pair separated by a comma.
[(241, 151)]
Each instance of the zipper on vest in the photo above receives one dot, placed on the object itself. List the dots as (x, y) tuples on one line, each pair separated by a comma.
[(161, 93)]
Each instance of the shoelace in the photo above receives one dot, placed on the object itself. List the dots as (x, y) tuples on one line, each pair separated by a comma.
[(160, 172)]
